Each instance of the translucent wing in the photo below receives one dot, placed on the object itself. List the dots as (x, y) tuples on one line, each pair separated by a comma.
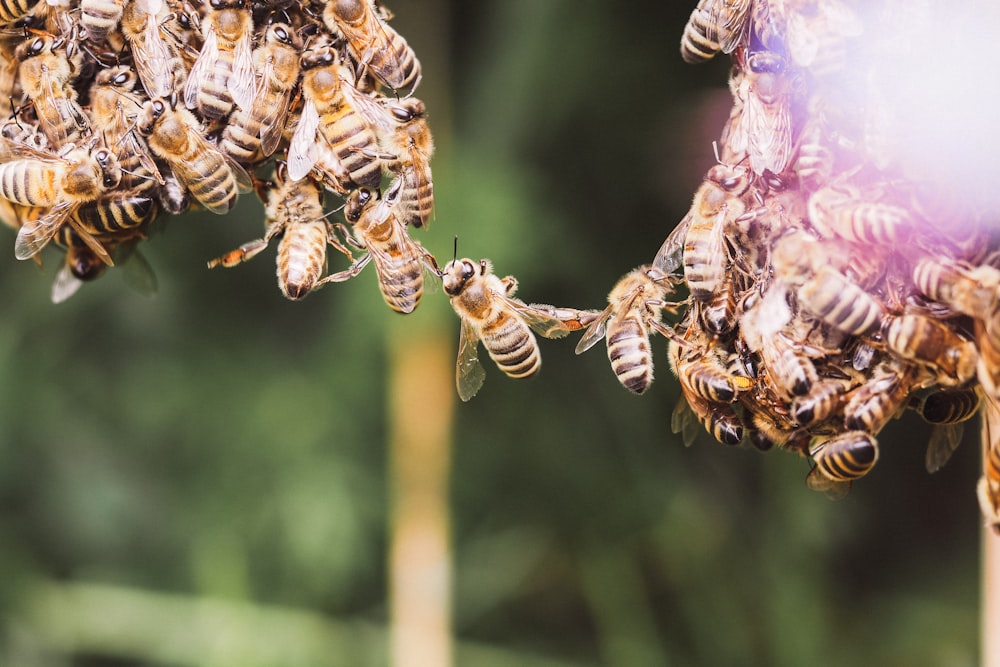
[(684, 421), (302, 154), (242, 80), (596, 331), (35, 234), (203, 68), (139, 275), (153, 61), (541, 322), (670, 257), (770, 130), (945, 439), (730, 19), (469, 373), (272, 123), (65, 285), (834, 490)]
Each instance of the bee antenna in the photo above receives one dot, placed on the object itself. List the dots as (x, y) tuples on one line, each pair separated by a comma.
[(455, 258)]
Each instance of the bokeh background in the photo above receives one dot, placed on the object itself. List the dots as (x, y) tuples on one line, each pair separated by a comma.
[(204, 477)]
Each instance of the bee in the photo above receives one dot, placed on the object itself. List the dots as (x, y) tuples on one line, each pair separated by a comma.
[(988, 489), (947, 411), (840, 210), (174, 135), (972, 291), (375, 45), (704, 375), (714, 25), (814, 162), (223, 74), (841, 459), (60, 183), (82, 265), (256, 131), (932, 344), (46, 74), (489, 313), (720, 420), (870, 406), (762, 128), (155, 53), (398, 259), (411, 145), (634, 306), (294, 209), (328, 121), (698, 242), (821, 402), (12, 11), (100, 17), (813, 33)]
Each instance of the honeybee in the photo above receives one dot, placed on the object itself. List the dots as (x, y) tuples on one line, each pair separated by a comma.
[(840, 210), (883, 396), (398, 259), (972, 291), (46, 74), (704, 375), (100, 17), (375, 45), (114, 107), (841, 459), (490, 313), (12, 11), (82, 265), (714, 25), (174, 135), (699, 242), (256, 131), (821, 402), (155, 54), (934, 345), (815, 160), (634, 305), (762, 126), (411, 144), (947, 411), (61, 183), (988, 488), (223, 74), (720, 420), (294, 209), (328, 121)]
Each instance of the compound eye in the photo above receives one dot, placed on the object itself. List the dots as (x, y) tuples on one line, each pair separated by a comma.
[(468, 270)]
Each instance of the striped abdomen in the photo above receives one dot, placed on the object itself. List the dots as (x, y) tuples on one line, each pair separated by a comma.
[(511, 344), (12, 10), (353, 142), (840, 303), (111, 215), (100, 17), (301, 257), (398, 263), (395, 64), (630, 353), (29, 182), (846, 457)]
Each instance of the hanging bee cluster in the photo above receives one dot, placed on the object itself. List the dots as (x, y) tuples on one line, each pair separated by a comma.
[(122, 110)]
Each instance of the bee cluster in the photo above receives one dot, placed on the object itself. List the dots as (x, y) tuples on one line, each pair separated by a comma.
[(119, 111), (830, 288)]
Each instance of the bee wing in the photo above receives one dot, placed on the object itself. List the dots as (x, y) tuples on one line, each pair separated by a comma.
[(242, 77), (945, 439), (540, 318), (803, 42), (65, 285), (684, 421), (152, 58), (770, 132), (92, 243), (374, 113), (272, 123), (302, 153), (731, 17), (834, 490), (244, 181), (469, 373), (670, 257), (202, 69), (35, 234), (596, 331)]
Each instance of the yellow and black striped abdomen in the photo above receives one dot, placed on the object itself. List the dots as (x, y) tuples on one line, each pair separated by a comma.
[(511, 344), (629, 352), (29, 183), (847, 456), (354, 144)]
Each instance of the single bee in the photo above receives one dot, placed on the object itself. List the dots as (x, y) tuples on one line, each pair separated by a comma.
[(174, 135), (398, 259), (870, 406), (328, 121), (62, 184), (824, 398), (840, 210), (155, 52), (294, 209), (411, 143), (490, 313), (841, 459), (12, 11), (934, 345), (100, 17), (635, 305), (714, 25), (699, 240), (947, 411), (254, 133), (762, 128), (704, 375), (374, 44), (720, 420), (224, 72), (970, 290), (46, 75)]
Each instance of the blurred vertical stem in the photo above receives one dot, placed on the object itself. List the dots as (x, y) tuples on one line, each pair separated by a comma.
[(422, 402), (991, 599)]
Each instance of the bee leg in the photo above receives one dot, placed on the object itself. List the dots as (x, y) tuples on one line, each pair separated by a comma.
[(669, 332), (243, 253), (346, 274)]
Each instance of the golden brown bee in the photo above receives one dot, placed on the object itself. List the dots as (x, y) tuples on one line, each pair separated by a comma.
[(821, 402), (699, 242), (411, 144), (762, 128), (988, 488), (46, 74), (374, 44), (100, 17), (255, 132), (634, 305), (329, 121), (294, 209), (840, 460), (947, 411), (224, 72), (703, 374), (398, 259), (490, 313), (934, 345), (714, 25), (870, 406), (972, 291), (155, 52), (174, 135), (61, 183), (12, 11), (720, 420), (841, 211)]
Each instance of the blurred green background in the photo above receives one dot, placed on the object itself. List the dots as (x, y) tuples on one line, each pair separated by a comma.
[(201, 477)]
